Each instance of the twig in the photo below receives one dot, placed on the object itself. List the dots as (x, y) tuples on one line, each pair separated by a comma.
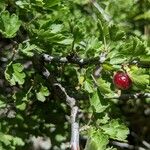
[(97, 71), (70, 100), (74, 124), (145, 143), (126, 145), (131, 96)]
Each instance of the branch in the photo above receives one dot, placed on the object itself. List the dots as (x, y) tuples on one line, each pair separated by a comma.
[(74, 129), (74, 59), (70, 100), (131, 96), (39, 65), (141, 64), (74, 124)]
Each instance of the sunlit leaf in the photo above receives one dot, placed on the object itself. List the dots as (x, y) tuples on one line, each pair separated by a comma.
[(9, 24)]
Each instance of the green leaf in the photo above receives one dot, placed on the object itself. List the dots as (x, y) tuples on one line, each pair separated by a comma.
[(115, 56), (98, 103), (49, 36), (87, 85), (28, 49), (51, 3), (93, 47), (145, 15), (116, 130), (118, 59), (139, 77), (21, 106), (22, 98), (66, 42), (115, 33), (140, 81), (145, 59), (55, 28), (2, 5), (22, 4), (14, 73), (9, 139), (18, 141), (1, 147), (81, 2), (133, 47), (6, 139), (103, 120), (108, 67), (97, 141), (104, 86), (9, 25), (42, 93), (39, 2), (104, 31), (2, 104)]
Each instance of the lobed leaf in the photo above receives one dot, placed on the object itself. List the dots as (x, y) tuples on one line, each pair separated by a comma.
[(14, 73), (9, 24)]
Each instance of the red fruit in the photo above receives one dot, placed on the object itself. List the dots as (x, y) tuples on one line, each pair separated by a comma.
[(122, 80)]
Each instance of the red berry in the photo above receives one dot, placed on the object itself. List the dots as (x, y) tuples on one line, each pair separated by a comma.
[(122, 80)]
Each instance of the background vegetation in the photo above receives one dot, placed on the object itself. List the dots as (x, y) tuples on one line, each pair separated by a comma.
[(55, 50)]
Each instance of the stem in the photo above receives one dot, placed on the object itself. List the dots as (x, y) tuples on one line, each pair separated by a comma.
[(131, 96), (74, 124), (101, 10)]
